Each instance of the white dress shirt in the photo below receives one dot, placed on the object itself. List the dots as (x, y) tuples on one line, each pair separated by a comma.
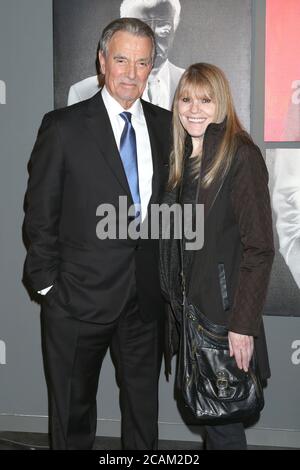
[(144, 155)]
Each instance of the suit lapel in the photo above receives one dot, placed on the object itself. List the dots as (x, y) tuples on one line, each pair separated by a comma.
[(98, 123)]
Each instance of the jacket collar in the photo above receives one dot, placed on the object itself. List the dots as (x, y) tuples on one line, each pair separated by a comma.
[(212, 139)]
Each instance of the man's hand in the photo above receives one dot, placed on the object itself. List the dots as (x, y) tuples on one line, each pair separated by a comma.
[(241, 347)]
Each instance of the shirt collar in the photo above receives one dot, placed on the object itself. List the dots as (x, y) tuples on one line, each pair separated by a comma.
[(114, 108)]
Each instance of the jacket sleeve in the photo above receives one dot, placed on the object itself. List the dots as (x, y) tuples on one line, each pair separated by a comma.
[(43, 205), (251, 205)]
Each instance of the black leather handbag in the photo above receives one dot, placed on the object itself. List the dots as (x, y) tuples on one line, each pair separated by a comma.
[(211, 384)]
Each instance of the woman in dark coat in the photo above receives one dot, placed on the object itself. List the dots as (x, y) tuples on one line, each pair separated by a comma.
[(218, 165)]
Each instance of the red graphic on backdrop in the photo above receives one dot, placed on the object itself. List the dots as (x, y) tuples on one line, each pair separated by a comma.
[(282, 75)]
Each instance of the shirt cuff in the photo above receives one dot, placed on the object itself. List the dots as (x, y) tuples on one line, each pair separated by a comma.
[(45, 291)]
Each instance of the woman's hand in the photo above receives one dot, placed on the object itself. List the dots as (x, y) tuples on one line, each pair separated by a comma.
[(241, 347)]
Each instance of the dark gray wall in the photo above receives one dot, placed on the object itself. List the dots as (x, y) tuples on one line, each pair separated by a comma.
[(26, 67)]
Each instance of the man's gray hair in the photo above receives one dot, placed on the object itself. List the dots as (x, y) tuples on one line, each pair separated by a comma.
[(128, 8), (130, 25)]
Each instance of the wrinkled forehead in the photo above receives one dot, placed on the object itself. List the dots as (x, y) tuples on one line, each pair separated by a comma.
[(123, 42)]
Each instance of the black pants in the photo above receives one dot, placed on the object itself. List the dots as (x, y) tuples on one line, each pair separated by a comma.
[(73, 354), (225, 436)]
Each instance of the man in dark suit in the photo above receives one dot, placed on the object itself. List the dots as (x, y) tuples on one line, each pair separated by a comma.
[(100, 292)]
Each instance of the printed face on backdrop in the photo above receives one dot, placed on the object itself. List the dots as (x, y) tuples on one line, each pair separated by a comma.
[(161, 19), (126, 66)]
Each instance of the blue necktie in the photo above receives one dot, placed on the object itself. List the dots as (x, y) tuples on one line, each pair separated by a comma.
[(129, 159)]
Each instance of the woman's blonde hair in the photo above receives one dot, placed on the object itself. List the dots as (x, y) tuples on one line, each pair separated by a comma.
[(209, 80)]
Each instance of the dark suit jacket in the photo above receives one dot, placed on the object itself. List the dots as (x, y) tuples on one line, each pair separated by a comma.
[(74, 167)]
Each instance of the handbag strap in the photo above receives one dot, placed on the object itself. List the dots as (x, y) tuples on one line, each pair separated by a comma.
[(182, 276)]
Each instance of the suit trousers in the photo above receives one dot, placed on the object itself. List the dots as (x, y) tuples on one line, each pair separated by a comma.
[(225, 437), (73, 352)]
